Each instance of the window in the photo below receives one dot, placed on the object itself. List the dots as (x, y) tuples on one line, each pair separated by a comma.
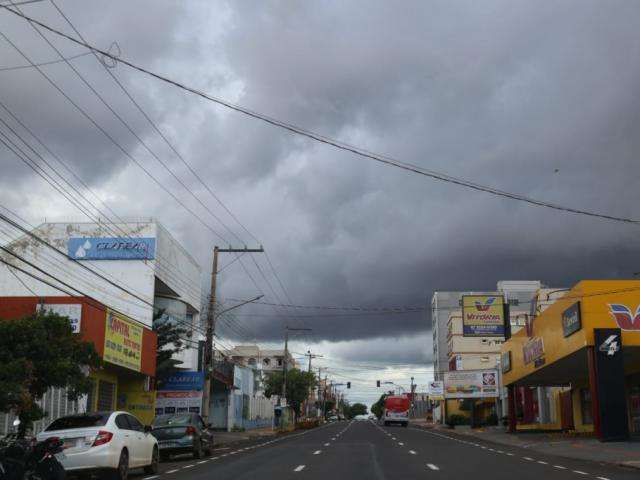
[(266, 362), (106, 395), (79, 421), (135, 423), (279, 362), (252, 361), (122, 423), (585, 406)]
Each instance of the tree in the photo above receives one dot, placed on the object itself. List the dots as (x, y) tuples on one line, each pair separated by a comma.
[(378, 408), (39, 352), (171, 340), (352, 411), (299, 384)]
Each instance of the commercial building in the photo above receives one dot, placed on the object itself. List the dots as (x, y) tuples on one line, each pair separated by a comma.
[(585, 348), (141, 271)]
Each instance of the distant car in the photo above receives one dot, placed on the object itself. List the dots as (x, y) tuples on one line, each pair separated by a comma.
[(333, 418), (361, 418), (182, 433), (110, 442)]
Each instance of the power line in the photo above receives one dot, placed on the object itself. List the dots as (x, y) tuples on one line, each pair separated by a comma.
[(43, 64), (389, 309), (389, 161)]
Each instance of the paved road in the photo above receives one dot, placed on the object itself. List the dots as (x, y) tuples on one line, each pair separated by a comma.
[(365, 450)]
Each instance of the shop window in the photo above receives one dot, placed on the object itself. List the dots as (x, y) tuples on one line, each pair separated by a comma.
[(106, 395), (585, 406)]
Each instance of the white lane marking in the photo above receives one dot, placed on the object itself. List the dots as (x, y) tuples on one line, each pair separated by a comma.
[(560, 467), (213, 458), (580, 472), (528, 458), (432, 466), (542, 463), (188, 466), (499, 451), (333, 439), (510, 454), (413, 452), (602, 478), (393, 438), (484, 448), (317, 452), (199, 463), (299, 468), (400, 443), (327, 444), (491, 449), (172, 471), (149, 478)]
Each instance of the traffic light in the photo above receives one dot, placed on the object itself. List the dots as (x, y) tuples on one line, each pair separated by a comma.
[(378, 383), (348, 384)]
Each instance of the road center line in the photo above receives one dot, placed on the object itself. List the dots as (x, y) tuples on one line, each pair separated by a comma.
[(317, 452), (188, 466), (199, 463), (560, 467), (432, 466), (149, 478), (299, 468), (602, 478), (400, 443), (542, 463), (528, 458), (580, 472), (413, 452), (172, 471)]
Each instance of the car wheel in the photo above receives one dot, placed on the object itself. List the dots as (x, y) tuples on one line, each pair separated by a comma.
[(122, 472), (152, 468), (197, 451)]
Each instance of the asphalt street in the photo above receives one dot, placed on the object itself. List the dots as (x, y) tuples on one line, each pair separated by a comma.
[(364, 449)]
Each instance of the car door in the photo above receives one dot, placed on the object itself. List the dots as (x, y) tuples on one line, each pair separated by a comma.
[(128, 437), (142, 443)]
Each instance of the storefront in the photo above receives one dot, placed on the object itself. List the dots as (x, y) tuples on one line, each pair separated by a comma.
[(128, 350), (576, 367)]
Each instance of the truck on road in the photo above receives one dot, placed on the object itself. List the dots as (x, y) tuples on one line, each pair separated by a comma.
[(396, 410)]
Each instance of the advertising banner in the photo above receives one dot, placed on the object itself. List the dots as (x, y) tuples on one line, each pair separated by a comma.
[(571, 320), (533, 350), (111, 248), (178, 402), (122, 342), (483, 316), (471, 384), (73, 311), (436, 390), (184, 381)]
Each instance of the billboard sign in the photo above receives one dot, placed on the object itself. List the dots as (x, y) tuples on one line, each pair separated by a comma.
[(571, 320), (533, 350), (471, 384), (184, 381), (483, 316), (111, 248), (73, 311), (123, 341), (436, 390), (168, 402)]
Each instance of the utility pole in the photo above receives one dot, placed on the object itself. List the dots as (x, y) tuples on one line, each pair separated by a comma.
[(287, 329), (311, 355), (211, 325)]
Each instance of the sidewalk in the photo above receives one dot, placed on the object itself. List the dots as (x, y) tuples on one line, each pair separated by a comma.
[(625, 454), (221, 439)]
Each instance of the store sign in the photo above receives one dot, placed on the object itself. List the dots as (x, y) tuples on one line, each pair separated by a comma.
[(184, 381), (624, 318), (111, 248), (505, 361), (533, 350), (123, 342), (73, 311), (471, 384), (483, 316), (436, 390), (571, 320), (168, 402)]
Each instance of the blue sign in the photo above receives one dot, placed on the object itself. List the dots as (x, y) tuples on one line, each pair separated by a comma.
[(184, 381), (111, 248)]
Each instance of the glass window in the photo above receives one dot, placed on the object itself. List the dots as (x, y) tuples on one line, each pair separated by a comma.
[(135, 423), (79, 421), (585, 406), (177, 419), (122, 423)]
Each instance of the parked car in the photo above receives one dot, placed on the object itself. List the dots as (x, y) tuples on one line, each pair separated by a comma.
[(182, 433), (107, 442)]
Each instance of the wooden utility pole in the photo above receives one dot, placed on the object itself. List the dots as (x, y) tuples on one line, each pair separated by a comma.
[(211, 325)]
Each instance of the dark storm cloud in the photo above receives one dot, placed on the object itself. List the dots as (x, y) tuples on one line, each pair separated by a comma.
[(531, 97)]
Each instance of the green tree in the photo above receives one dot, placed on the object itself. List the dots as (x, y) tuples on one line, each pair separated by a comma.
[(39, 352), (352, 411), (299, 384), (171, 340), (378, 407)]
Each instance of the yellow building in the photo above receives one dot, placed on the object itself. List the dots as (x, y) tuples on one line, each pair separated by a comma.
[(587, 344)]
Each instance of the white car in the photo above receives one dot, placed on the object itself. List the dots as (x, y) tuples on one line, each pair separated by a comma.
[(109, 442)]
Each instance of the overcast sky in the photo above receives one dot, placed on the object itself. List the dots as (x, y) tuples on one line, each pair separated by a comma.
[(538, 98)]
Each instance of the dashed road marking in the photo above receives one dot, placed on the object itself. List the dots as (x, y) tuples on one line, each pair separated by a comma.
[(317, 452), (188, 466), (602, 478), (172, 471), (400, 443), (580, 472), (432, 466), (542, 463), (528, 458), (199, 463), (151, 477), (299, 468), (510, 454), (560, 467), (413, 452), (327, 444)]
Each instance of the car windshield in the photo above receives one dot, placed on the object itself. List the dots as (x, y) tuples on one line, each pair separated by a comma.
[(164, 420), (79, 421)]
